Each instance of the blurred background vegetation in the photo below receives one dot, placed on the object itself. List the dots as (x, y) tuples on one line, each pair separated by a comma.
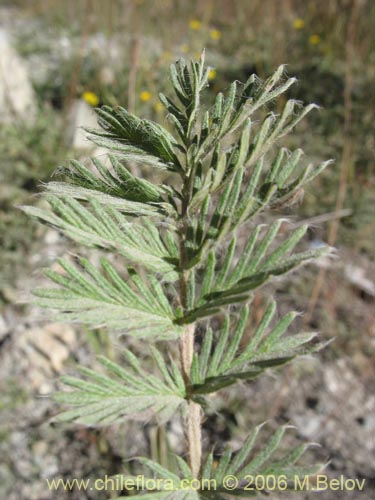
[(119, 51)]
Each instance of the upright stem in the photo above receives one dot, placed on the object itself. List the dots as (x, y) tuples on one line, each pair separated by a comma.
[(187, 350), (195, 438), (193, 431)]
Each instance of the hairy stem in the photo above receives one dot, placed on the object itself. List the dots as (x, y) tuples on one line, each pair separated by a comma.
[(194, 433), (195, 438), (187, 350), (193, 430)]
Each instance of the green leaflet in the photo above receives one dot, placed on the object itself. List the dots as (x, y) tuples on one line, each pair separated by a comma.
[(101, 297), (231, 111), (239, 356), (106, 227), (259, 260), (104, 399), (262, 460), (170, 482), (138, 140), (132, 208), (112, 179), (244, 192)]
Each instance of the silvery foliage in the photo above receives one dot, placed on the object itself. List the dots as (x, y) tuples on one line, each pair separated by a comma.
[(222, 166)]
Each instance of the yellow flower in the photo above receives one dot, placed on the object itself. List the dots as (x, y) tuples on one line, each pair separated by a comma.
[(212, 74), (145, 96), (185, 48), (195, 24), (215, 34), (90, 98), (298, 23), (158, 107), (314, 39)]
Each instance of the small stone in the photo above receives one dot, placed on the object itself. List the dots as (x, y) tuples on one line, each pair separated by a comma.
[(45, 388), (46, 351), (17, 98), (308, 425), (3, 328), (39, 448), (332, 380), (51, 237), (369, 424), (50, 467), (80, 115), (357, 277)]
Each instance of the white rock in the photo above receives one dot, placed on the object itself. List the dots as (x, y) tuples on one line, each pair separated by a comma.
[(309, 425), (45, 350), (3, 327), (357, 277), (51, 237), (17, 99), (80, 115)]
